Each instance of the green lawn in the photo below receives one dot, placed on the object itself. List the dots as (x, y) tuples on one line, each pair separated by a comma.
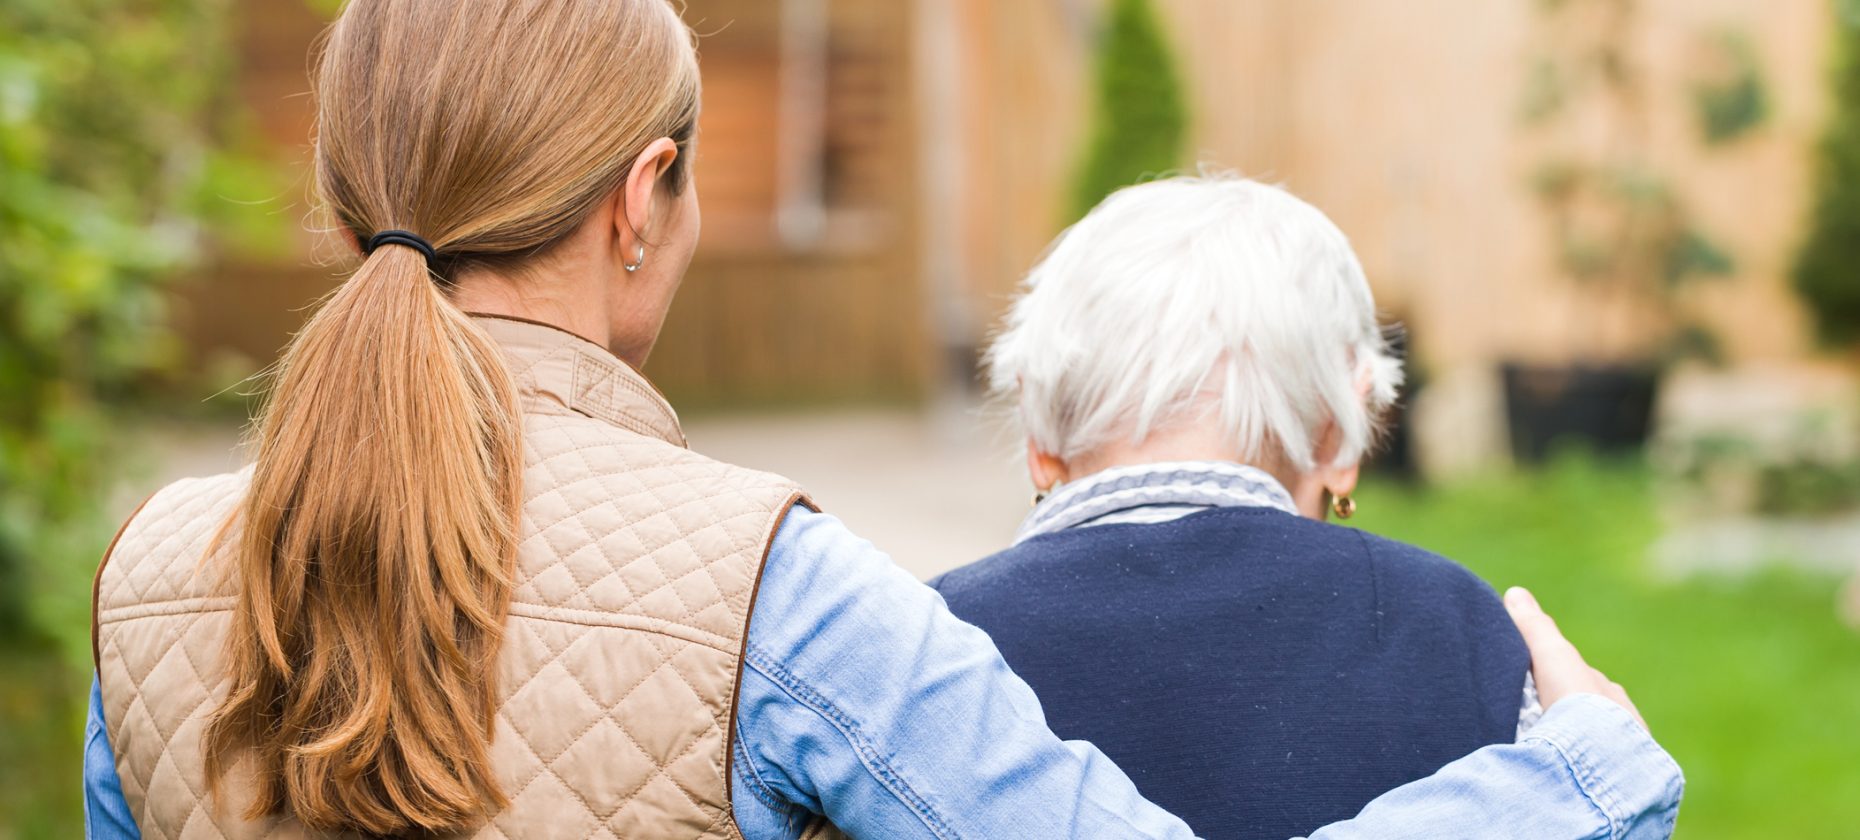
[(1753, 684)]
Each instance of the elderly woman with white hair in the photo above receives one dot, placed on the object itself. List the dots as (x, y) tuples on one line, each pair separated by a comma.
[(1199, 373)]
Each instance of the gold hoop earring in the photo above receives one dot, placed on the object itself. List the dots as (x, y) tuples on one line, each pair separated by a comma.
[(1343, 506), (639, 259)]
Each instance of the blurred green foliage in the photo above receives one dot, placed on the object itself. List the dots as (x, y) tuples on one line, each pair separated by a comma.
[(1808, 486), (1139, 120), (1827, 271), (1808, 472), (1751, 681), (113, 119), (1736, 101), (126, 162), (118, 134)]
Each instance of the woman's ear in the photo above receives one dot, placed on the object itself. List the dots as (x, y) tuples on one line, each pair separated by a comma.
[(637, 198), (355, 242), (1046, 471)]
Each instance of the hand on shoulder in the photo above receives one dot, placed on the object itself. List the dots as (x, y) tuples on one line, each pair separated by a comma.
[(1556, 665)]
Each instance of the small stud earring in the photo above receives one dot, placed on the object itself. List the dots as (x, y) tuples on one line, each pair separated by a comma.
[(1343, 506), (639, 259), (1040, 495)]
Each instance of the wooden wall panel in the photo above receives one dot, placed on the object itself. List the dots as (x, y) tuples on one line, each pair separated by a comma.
[(759, 321), (1399, 118)]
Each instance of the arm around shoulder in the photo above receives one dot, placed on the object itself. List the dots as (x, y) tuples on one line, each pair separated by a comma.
[(865, 700)]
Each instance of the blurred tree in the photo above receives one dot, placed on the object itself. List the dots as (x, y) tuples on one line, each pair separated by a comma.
[(1827, 271), (111, 114), (1139, 120)]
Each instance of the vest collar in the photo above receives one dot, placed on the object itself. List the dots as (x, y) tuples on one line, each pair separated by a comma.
[(559, 366)]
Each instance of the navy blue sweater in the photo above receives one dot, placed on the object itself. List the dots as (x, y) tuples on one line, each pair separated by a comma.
[(1257, 673)]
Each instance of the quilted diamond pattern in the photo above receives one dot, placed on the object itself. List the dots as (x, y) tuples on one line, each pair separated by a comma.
[(635, 573)]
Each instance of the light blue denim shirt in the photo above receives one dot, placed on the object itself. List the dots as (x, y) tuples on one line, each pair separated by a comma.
[(864, 700)]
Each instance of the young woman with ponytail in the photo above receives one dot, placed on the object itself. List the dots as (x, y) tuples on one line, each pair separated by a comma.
[(474, 584)]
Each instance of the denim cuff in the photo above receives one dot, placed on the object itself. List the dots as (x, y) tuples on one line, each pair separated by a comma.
[(1628, 777)]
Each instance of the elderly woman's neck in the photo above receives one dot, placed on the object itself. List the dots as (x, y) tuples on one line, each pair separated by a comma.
[(1195, 444), (1191, 444)]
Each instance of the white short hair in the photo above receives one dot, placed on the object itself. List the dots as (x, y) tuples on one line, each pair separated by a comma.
[(1185, 296)]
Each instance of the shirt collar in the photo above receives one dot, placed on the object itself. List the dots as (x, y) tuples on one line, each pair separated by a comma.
[(1185, 484)]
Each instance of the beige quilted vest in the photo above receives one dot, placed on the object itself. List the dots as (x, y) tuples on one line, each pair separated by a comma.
[(635, 574)]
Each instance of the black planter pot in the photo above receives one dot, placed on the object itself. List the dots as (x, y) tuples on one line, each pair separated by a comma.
[(1607, 409)]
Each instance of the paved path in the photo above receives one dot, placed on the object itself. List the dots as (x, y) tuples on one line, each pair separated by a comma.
[(934, 489)]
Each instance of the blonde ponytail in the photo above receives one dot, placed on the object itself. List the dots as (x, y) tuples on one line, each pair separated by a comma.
[(374, 551), (372, 558)]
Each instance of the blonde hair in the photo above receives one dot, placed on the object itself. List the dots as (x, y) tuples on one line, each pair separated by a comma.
[(1198, 299), (372, 555)]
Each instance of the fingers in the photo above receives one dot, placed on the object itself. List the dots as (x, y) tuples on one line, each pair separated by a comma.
[(1556, 665)]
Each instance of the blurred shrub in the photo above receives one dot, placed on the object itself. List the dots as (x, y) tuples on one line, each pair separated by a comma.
[(1827, 271), (1735, 100), (110, 117), (1801, 465), (1138, 117), (1808, 487)]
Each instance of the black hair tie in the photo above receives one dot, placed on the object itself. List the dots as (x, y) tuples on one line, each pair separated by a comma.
[(399, 237)]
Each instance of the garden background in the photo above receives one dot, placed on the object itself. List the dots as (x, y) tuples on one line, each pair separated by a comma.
[(1621, 239)]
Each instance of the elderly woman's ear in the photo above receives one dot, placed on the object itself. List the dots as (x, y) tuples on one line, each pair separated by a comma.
[(1047, 471), (1327, 488), (1339, 483)]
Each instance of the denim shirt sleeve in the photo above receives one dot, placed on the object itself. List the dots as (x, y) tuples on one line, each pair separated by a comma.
[(1586, 770), (865, 700), (106, 812)]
